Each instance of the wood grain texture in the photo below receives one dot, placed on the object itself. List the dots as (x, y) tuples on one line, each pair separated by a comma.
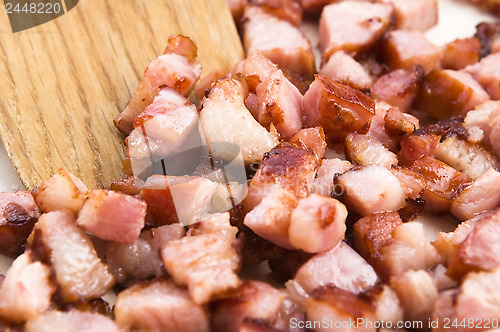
[(62, 83)]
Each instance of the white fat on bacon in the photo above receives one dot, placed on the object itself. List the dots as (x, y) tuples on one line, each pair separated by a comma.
[(323, 183), (159, 306), (61, 191), (487, 73), (26, 290), (255, 68), (414, 14), (483, 124), (79, 272), (364, 150), (69, 321), (113, 216), (342, 67)]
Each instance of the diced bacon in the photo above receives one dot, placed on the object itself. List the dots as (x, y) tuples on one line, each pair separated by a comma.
[(323, 183), (364, 150), (287, 167), (237, 7), (481, 196), (479, 298), (397, 123), (398, 87), (342, 67), (364, 21), (479, 249), (314, 6), (167, 100), (488, 34), (112, 216), (311, 138), (407, 49), (374, 232), (441, 279), (445, 310), (224, 118), (254, 299), (255, 68), (165, 133), (176, 69), (471, 159), (377, 128), (159, 306), (217, 223), (79, 272), (443, 183), (26, 290), (387, 304), (417, 293), (341, 267), (289, 10), (461, 53), (18, 214), (270, 219), (413, 182), (159, 236), (73, 320), (206, 263), (338, 108), (134, 262), (277, 39), (371, 189), (280, 103), (62, 191), (333, 305), (449, 92), (483, 123), (415, 14), (317, 224), (417, 146), (127, 186), (487, 73)]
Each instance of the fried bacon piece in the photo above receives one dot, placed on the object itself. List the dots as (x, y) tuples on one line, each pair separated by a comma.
[(323, 183), (417, 15), (487, 73), (488, 34), (159, 306), (365, 21), (341, 267), (338, 108), (73, 320), (461, 53), (280, 103), (310, 138), (254, 299), (343, 68), (364, 150), (289, 10), (57, 241), (112, 216), (412, 181), (177, 68), (277, 39), (62, 191), (483, 124), (26, 290), (386, 302), (255, 68), (417, 146), (19, 213)]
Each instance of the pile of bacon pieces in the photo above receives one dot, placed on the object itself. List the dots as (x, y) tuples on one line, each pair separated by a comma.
[(342, 164)]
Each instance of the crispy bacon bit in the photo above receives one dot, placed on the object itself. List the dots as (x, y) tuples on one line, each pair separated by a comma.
[(341, 267), (26, 290), (413, 182), (311, 138), (484, 124), (338, 305), (342, 67), (377, 127), (277, 39), (58, 241), (448, 92), (461, 53), (254, 299), (255, 68), (159, 306), (338, 108), (127, 186), (364, 150), (317, 224), (417, 146), (408, 49), (177, 69), (280, 103), (225, 118), (62, 191), (289, 10), (398, 87), (73, 320), (323, 183), (112, 216), (487, 73), (443, 183), (415, 14), (397, 123), (206, 263), (365, 21), (481, 196), (371, 189), (417, 293)]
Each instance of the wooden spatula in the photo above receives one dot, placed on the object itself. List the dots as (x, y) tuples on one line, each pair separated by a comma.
[(62, 83)]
